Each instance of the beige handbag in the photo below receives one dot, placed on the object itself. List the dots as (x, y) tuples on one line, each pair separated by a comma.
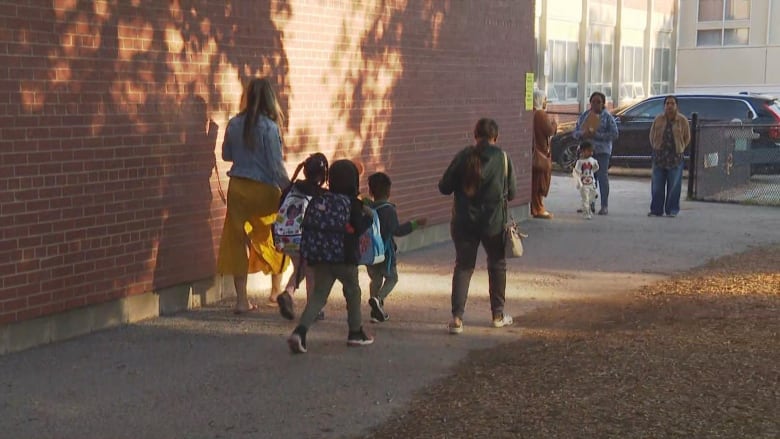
[(513, 237)]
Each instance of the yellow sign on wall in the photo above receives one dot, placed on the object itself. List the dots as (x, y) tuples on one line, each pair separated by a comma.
[(529, 91)]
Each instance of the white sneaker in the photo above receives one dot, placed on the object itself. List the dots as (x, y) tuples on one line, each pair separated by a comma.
[(455, 326), (502, 320)]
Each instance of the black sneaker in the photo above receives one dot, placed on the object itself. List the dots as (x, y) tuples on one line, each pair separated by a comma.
[(297, 341), (378, 314), (285, 303), (359, 338)]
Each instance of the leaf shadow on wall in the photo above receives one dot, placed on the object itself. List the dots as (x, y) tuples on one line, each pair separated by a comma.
[(126, 174), (187, 197)]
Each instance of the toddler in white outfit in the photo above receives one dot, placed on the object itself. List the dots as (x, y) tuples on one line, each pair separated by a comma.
[(584, 173)]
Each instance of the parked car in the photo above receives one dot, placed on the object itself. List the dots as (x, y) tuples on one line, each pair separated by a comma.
[(632, 148)]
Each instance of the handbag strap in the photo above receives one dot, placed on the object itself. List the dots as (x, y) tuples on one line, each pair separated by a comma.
[(506, 189), (506, 176)]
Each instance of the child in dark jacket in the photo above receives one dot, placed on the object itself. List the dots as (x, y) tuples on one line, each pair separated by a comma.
[(384, 275), (343, 178)]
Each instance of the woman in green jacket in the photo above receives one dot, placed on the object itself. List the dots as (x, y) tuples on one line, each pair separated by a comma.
[(481, 177)]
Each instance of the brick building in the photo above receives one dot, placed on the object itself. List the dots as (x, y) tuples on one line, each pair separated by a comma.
[(111, 181)]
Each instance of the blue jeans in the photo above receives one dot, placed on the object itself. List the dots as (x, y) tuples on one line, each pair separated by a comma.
[(665, 188), (602, 177)]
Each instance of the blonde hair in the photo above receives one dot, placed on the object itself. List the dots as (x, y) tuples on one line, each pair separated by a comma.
[(259, 99)]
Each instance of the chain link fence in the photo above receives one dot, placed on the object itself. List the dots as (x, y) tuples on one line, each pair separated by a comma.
[(735, 162)]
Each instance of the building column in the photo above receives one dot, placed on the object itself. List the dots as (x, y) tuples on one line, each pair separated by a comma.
[(647, 73), (582, 68), (617, 56), (542, 80)]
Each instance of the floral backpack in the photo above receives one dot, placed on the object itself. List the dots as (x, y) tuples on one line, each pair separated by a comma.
[(325, 224), (288, 227)]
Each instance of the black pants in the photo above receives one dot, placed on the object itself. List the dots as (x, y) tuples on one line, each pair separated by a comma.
[(466, 246)]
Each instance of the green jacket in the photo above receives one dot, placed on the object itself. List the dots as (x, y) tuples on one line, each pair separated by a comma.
[(484, 214)]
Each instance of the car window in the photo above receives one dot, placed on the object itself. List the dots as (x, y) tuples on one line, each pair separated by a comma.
[(645, 110), (715, 109)]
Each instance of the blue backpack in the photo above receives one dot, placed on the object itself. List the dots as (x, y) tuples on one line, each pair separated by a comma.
[(371, 248), (324, 228)]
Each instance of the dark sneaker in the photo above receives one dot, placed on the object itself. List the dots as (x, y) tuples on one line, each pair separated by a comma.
[(297, 341), (378, 314), (285, 303), (359, 338), (501, 320), (604, 211)]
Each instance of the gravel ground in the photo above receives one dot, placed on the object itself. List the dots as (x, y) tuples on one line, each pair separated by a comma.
[(697, 355), (594, 352)]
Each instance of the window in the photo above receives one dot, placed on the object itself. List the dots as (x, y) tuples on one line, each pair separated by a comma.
[(661, 71), (631, 73), (646, 110), (719, 23), (562, 83), (714, 109), (735, 37), (600, 69)]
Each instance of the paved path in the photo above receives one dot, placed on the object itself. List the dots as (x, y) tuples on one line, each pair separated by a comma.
[(209, 374)]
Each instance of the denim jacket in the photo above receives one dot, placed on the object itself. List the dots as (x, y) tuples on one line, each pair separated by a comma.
[(605, 133), (265, 163)]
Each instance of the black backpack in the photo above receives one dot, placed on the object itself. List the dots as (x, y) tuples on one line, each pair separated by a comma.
[(325, 225)]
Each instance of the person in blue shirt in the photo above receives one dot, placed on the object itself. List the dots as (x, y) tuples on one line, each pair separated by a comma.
[(253, 144), (598, 127)]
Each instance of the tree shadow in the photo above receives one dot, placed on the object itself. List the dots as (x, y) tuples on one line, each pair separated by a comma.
[(122, 92)]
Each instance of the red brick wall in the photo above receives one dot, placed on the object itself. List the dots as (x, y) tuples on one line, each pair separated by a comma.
[(107, 186)]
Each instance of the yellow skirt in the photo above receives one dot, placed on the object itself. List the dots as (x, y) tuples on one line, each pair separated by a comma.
[(247, 245)]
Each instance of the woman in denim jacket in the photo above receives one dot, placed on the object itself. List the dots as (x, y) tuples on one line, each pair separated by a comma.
[(254, 144)]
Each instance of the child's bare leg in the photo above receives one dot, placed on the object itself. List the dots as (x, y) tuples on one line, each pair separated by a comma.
[(291, 283), (276, 287)]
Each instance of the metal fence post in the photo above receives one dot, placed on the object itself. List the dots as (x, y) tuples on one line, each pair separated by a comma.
[(692, 158)]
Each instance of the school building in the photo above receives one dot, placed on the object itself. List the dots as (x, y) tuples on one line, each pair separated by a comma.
[(625, 49), (113, 114), (729, 46)]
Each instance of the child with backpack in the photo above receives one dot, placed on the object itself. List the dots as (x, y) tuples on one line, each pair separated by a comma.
[(331, 226), (287, 229), (384, 275)]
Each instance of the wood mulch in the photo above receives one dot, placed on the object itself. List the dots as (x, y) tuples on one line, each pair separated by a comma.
[(696, 356)]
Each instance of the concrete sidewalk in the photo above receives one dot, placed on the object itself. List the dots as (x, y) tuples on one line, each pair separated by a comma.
[(209, 374)]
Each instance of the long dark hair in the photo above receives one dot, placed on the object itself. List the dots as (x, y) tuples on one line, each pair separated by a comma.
[(315, 169), (260, 99), (485, 133)]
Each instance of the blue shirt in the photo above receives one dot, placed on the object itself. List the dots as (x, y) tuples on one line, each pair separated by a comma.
[(605, 133), (265, 163)]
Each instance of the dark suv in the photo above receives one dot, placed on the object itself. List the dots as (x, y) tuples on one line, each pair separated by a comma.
[(632, 148)]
